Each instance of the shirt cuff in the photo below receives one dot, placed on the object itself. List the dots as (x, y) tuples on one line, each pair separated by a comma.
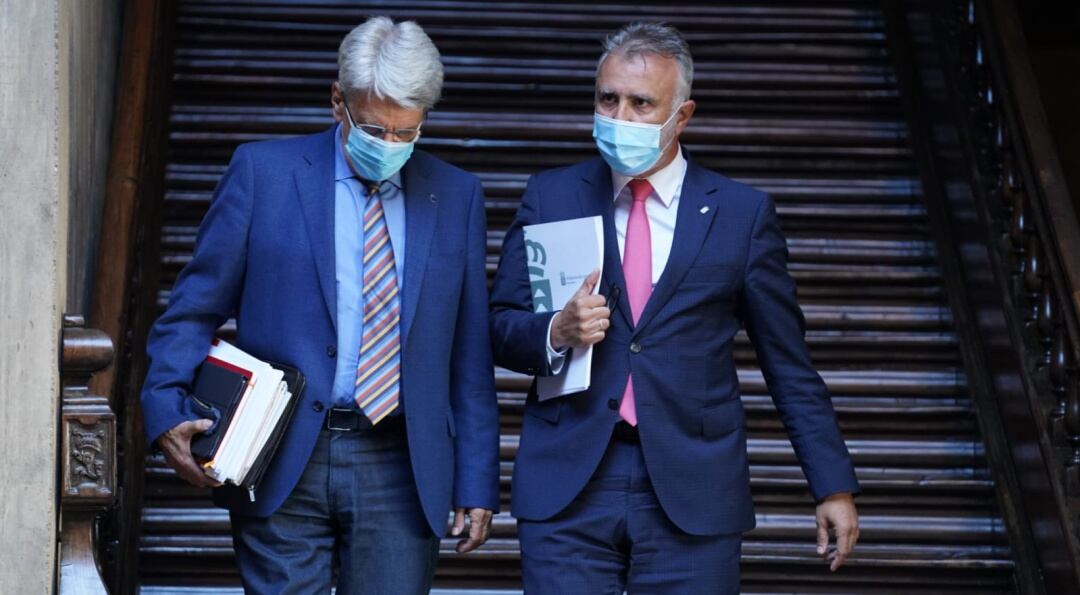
[(555, 358)]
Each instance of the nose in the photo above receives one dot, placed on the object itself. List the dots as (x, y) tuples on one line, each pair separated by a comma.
[(624, 111)]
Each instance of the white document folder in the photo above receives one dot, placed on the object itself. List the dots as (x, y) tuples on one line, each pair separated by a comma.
[(559, 256)]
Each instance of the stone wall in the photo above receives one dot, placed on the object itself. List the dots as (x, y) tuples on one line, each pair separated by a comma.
[(57, 73), (33, 248)]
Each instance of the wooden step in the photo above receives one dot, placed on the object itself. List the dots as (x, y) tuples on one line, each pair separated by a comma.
[(943, 382), (887, 544), (334, 21)]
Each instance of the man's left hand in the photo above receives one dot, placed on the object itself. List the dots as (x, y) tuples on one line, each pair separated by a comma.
[(838, 513), (478, 528)]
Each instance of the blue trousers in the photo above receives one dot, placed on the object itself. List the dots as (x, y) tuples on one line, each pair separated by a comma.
[(614, 537), (356, 502)]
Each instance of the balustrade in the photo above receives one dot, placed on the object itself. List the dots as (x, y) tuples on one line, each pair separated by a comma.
[(1029, 241), (87, 456)]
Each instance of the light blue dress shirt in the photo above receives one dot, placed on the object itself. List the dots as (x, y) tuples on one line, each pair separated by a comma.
[(350, 197)]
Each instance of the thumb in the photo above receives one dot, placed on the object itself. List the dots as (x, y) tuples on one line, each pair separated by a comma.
[(459, 522), (203, 425), (589, 283), (822, 536)]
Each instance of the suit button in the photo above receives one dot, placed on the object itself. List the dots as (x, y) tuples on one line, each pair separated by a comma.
[(612, 404), (317, 406), (331, 351), (635, 348)]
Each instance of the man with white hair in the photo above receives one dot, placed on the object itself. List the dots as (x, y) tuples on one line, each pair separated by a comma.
[(641, 482), (360, 261)]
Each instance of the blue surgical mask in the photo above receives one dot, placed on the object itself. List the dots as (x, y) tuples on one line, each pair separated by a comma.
[(374, 158), (630, 148)]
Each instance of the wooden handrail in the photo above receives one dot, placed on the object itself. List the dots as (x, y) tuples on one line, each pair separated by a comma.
[(87, 456), (1060, 218), (989, 166), (1043, 231), (128, 241), (109, 310)]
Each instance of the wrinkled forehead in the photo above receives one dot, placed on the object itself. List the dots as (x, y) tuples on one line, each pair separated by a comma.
[(368, 108), (629, 73)]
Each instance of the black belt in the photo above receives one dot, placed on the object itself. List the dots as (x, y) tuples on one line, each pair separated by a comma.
[(625, 432), (339, 419)]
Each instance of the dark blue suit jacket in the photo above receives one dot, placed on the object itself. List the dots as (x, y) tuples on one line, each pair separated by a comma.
[(728, 268), (265, 254)]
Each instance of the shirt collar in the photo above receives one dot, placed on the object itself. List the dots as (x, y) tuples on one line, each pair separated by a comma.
[(665, 182), (342, 171)]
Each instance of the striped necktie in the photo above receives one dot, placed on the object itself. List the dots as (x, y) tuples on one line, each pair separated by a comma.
[(378, 372)]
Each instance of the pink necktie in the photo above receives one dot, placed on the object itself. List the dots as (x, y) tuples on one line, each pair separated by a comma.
[(637, 269)]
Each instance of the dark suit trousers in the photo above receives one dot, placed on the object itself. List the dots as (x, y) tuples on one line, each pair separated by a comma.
[(615, 537)]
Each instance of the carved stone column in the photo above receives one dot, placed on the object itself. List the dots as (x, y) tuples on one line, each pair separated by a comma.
[(87, 456)]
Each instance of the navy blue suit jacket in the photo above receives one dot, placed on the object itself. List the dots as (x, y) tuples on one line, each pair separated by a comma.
[(728, 268), (265, 254)]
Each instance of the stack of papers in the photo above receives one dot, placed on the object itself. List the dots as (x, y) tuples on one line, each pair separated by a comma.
[(249, 399)]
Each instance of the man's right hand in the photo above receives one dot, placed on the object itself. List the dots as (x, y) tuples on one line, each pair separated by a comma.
[(176, 444), (584, 320)]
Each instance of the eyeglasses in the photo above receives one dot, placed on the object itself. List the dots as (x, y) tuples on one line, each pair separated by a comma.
[(405, 135)]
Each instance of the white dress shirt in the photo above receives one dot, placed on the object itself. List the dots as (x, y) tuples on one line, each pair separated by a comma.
[(662, 209)]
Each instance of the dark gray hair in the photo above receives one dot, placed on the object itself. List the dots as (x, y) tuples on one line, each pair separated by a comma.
[(657, 39), (396, 62)]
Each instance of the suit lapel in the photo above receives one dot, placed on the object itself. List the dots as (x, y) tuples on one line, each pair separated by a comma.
[(315, 191), (597, 197), (421, 211), (698, 202)]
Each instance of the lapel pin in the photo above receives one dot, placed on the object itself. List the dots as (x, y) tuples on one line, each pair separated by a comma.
[(704, 210), (432, 198)]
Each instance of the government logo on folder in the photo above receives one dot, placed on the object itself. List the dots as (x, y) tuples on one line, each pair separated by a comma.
[(559, 256)]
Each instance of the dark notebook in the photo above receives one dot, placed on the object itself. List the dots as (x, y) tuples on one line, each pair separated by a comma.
[(217, 391)]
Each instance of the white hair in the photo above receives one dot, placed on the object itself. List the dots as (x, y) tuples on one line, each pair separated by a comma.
[(656, 39), (396, 62)]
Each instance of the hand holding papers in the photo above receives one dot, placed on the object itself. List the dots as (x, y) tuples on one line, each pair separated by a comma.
[(560, 256), (250, 402)]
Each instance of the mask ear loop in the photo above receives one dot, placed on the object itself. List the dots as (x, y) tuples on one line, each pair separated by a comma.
[(664, 125), (345, 104)]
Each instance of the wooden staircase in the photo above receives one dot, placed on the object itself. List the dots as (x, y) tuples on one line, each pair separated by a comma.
[(797, 98)]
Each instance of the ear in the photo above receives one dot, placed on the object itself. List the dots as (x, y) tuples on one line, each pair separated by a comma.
[(337, 102), (686, 110)]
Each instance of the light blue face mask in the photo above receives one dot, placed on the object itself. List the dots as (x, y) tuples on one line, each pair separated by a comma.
[(374, 158), (630, 148)]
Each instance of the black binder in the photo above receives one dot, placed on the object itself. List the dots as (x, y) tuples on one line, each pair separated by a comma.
[(217, 391)]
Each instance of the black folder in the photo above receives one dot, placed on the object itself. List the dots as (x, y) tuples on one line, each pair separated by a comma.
[(217, 391), (296, 382)]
